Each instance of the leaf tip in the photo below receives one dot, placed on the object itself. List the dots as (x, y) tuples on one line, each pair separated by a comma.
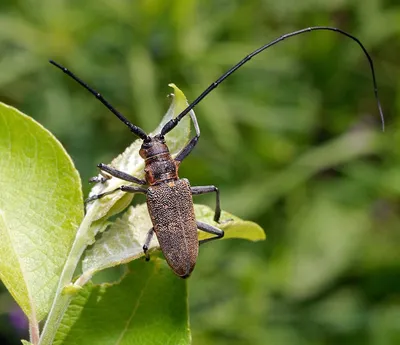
[(179, 95), (25, 342)]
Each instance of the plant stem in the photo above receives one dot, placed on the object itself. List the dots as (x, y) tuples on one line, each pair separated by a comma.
[(34, 331), (61, 301)]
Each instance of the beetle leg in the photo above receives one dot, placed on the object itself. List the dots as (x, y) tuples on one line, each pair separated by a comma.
[(187, 149), (129, 189), (100, 179), (211, 230), (192, 143), (209, 189), (147, 243), (116, 173)]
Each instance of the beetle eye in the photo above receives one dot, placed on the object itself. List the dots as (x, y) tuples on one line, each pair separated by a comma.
[(147, 144), (147, 141), (160, 138)]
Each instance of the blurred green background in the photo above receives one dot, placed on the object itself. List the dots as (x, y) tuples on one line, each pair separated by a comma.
[(292, 140)]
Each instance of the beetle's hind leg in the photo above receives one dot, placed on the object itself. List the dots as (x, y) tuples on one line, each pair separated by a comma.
[(211, 230), (210, 189), (107, 172), (147, 243)]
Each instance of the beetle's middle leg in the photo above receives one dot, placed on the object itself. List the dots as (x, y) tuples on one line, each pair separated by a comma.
[(210, 189), (211, 230), (128, 189)]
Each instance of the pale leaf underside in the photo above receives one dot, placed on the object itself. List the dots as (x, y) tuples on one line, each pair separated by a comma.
[(123, 241)]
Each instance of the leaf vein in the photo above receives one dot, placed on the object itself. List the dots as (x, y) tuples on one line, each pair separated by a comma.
[(128, 322)]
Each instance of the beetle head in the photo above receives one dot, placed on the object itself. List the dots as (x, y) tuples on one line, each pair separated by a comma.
[(153, 146)]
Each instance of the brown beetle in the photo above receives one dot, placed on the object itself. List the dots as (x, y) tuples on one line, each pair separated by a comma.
[(169, 199), (170, 204)]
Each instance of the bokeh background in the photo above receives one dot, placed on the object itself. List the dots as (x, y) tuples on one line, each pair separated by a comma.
[(293, 141)]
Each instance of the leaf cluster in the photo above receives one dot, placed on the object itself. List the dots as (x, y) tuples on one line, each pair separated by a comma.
[(42, 247)]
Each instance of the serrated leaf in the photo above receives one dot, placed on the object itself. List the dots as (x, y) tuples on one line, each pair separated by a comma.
[(123, 241), (40, 210), (149, 306), (130, 162)]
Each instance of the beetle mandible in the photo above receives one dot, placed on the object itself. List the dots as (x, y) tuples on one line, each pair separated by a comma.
[(169, 198)]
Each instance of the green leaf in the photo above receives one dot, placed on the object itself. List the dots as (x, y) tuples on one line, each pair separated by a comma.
[(149, 306), (123, 241), (233, 226), (130, 161), (40, 210), (25, 342)]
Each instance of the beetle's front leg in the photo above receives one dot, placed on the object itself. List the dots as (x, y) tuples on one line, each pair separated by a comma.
[(100, 179), (116, 173), (192, 143)]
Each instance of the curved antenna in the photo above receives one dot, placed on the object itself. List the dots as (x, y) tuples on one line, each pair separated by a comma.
[(134, 129), (173, 122)]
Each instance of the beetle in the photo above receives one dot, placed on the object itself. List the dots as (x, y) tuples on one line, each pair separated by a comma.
[(169, 198)]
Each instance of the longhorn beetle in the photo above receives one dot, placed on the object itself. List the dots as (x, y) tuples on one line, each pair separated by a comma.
[(169, 198)]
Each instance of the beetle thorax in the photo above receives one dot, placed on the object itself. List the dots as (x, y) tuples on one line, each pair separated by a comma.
[(159, 165)]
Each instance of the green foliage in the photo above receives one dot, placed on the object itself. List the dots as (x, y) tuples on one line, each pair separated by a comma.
[(143, 314), (292, 140), (149, 306), (40, 209)]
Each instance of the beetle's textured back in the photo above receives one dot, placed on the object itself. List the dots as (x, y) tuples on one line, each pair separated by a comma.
[(171, 210)]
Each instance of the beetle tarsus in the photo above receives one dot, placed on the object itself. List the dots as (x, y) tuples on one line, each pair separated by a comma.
[(146, 254), (92, 198), (103, 178), (147, 244), (211, 230)]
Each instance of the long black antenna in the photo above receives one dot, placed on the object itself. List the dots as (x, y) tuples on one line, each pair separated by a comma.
[(134, 129), (173, 122)]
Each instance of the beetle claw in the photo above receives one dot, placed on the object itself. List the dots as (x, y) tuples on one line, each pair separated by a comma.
[(146, 254)]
